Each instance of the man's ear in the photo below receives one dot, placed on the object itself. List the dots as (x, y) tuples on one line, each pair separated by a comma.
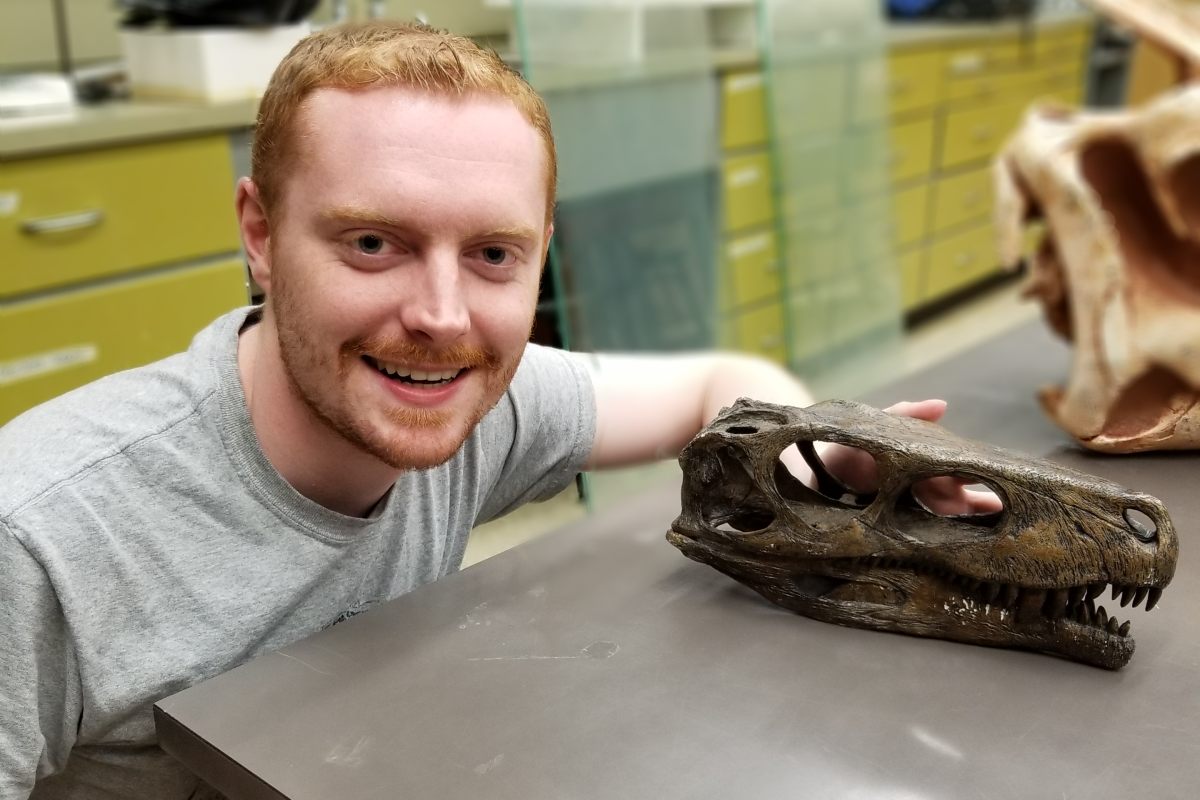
[(256, 234)]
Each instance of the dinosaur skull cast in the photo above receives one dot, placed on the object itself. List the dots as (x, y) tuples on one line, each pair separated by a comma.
[(1025, 577), (1118, 267)]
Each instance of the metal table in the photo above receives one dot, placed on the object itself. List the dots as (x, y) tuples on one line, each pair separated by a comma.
[(598, 662)]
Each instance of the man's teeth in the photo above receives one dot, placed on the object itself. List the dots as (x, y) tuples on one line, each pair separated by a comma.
[(416, 374)]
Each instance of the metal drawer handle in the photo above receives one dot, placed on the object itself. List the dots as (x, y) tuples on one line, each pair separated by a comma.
[(62, 223)]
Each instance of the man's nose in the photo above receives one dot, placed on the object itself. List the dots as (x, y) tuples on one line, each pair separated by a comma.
[(435, 305)]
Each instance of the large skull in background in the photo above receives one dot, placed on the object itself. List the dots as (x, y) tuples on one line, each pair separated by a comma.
[(1026, 577), (1118, 267)]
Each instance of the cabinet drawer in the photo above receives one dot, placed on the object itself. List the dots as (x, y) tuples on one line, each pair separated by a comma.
[(913, 80), (911, 265), (752, 263), (902, 153), (962, 198), (960, 260), (1062, 87), (83, 215), (1064, 45), (975, 134), (973, 59), (760, 331), (743, 110), (51, 344), (912, 149), (746, 181), (905, 81)]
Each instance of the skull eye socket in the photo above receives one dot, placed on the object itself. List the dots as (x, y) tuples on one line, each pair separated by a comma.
[(846, 475), (732, 502), (1142, 524), (743, 521), (958, 497)]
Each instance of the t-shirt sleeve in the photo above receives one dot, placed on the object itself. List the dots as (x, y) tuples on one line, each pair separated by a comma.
[(39, 684), (547, 422)]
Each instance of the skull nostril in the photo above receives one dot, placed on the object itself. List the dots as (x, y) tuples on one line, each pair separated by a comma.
[(1141, 524)]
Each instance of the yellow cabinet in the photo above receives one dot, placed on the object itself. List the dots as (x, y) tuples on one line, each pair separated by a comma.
[(959, 260), (54, 343), (743, 110), (911, 266), (962, 197), (67, 218), (752, 263), (760, 330), (904, 82), (913, 80), (746, 181), (975, 134), (902, 152)]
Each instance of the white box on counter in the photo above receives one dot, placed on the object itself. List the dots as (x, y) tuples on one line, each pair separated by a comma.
[(210, 64)]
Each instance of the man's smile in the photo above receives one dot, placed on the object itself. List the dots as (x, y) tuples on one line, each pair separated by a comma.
[(414, 376)]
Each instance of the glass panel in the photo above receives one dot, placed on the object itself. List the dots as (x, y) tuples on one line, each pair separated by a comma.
[(632, 99), (825, 63)]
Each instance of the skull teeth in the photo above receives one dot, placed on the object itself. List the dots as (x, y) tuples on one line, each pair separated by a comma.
[(1075, 603)]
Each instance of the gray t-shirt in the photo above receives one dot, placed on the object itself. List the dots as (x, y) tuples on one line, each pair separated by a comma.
[(147, 544)]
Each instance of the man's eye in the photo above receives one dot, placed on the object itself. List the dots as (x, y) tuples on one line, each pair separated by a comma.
[(369, 243), (494, 255)]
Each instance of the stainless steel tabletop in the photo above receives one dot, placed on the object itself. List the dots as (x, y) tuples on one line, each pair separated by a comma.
[(598, 662)]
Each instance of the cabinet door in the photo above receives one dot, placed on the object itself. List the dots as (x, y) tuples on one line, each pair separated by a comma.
[(67, 218), (55, 343)]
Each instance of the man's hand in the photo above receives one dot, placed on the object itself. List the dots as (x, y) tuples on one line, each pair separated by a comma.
[(857, 471)]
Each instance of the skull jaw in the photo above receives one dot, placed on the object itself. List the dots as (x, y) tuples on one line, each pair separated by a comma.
[(1170, 422), (901, 601)]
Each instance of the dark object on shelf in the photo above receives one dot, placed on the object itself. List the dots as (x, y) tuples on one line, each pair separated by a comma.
[(960, 9), (236, 13), (1024, 577)]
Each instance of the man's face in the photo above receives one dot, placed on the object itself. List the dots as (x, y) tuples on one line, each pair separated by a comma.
[(405, 260)]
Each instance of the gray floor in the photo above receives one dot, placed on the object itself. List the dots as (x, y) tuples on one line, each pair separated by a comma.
[(934, 340)]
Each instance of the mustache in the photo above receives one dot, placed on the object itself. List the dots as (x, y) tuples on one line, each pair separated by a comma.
[(396, 350)]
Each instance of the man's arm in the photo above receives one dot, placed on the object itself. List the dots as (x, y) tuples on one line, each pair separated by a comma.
[(38, 680), (649, 407)]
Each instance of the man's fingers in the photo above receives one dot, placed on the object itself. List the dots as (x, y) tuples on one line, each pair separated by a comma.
[(929, 410), (983, 501), (949, 497)]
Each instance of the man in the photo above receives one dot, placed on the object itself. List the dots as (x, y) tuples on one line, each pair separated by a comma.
[(331, 450)]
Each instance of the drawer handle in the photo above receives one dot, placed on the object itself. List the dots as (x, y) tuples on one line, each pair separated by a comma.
[(983, 133), (964, 260), (62, 223), (967, 64)]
